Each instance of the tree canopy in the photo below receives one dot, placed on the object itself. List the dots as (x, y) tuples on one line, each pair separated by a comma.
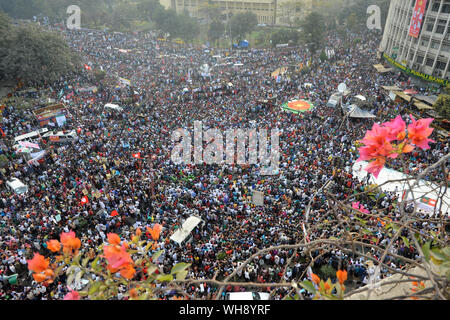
[(31, 53), (242, 24)]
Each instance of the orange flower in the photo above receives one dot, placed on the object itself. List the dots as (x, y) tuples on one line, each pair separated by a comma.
[(128, 272), (53, 245), (38, 263), (114, 239), (415, 284), (70, 242), (138, 232), (155, 232), (326, 286), (342, 276), (133, 293), (39, 277), (117, 257), (315, 278), (49, 273)]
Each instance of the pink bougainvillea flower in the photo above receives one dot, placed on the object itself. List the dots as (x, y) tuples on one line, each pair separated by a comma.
[(375, 167), (72, 295), (360, 207), (396, 128), (419, 131), (38, 263), (377, 144)]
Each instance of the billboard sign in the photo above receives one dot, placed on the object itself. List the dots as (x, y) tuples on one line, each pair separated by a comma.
[(417, 18)]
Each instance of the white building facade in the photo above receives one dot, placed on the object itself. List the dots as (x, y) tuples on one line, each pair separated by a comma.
[(426, 53)]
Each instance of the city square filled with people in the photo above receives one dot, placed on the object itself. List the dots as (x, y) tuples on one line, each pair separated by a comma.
[(121, 159)]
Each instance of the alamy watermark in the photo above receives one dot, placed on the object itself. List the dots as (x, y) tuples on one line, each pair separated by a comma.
[(374, 21), (243, 147), (74, 20)]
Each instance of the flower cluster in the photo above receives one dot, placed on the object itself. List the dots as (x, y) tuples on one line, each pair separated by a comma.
[(119, 260), (359, 207), (325, 288), (390, 139), (117, 254), (40, 266)]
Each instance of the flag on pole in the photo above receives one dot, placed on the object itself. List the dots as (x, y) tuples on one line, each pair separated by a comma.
[(84, 200), (3, 134), (114, 213), (137, 155)]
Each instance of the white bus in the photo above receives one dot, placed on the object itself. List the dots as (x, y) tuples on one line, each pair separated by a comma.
[(60, 136), (184, 234), (31, 135), (17, 186)]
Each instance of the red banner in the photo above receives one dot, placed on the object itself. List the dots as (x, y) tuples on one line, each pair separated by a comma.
[(417, 18)]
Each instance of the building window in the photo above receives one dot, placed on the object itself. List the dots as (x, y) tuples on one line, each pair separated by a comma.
[(440, 65), (419, 59), (446, 8), (430, 27), (440, 29), (435, 44), (425, 42), (436, 6), (429, 62)]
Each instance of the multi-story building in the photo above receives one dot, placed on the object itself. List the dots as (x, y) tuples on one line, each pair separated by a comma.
[(419, 44)]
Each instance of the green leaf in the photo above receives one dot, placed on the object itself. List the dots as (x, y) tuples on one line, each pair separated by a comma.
[(164, 277), (307, 285), (95, 264), (77, 258), (79, 275), (151, 269), (288, 298), (182, 275), (94, 287), (70, 278), (446, 252), (85, 261), (156, 255), (436, 253), (179, 267), (70, 269), (426, 250), (83, 293), (405, 241)]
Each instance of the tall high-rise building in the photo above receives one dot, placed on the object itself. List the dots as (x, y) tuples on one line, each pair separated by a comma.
[(416, 38)]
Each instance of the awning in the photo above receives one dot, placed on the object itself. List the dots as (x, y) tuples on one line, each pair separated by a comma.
[(391, 88), (422, 106), (403, 95), (381, 69), (357, 112), (428, 99)]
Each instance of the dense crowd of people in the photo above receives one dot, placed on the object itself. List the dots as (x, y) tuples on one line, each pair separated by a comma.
[(169, 88)]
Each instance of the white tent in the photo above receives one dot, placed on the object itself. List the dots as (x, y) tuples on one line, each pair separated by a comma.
[(113, 106), (357, 112), (424, 192)]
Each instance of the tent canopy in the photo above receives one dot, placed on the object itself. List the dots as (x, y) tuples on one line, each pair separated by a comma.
[(357, 112), (425, 198)]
